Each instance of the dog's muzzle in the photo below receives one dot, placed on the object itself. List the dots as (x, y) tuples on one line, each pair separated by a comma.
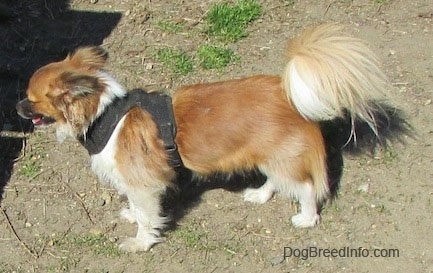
[(25, 110)]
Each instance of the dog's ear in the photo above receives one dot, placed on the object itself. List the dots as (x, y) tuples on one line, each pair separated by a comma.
[(90, 57), (75, 85)]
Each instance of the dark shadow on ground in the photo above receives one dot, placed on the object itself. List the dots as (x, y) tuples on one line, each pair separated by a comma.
[(391, 127), (32, 34)]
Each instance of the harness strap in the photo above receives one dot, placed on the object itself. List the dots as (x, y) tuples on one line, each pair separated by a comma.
[(158, 105)]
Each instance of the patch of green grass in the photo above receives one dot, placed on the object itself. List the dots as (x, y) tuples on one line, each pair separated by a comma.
[(67, 264), (389, 155), (228, 22), (3, 268), (384, 155), (178, 61), (31, 166), (189, 236), (99, 244), (169, 26), (234, 247), (213, 57), (225, 22)]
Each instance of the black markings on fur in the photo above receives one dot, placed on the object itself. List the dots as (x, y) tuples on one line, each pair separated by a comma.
[(80, 85)]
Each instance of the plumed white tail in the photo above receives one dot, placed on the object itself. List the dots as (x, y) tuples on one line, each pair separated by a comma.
[(329, 73)]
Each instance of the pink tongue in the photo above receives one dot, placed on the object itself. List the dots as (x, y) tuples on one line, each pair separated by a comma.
[(36, 120)]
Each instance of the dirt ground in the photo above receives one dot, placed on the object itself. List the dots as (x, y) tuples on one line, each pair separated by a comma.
[(56, 217)]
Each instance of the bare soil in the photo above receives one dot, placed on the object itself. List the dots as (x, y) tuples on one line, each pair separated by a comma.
[(56, 217)]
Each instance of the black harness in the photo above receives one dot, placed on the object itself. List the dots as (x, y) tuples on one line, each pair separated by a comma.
[(158, 105)]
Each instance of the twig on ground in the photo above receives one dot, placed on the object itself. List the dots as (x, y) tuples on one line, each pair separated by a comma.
[(12, 229), (79, 200), (273, 237), (328, 7)]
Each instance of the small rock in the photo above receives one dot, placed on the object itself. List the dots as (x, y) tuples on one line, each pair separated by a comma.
[(149, 66), (277, 260), (95, 231), (427, 102), (105, 199), (101, 202), (93, 1), (364, 188)]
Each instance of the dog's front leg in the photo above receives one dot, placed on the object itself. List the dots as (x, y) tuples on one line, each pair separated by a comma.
[(145, 208), (129, 213)]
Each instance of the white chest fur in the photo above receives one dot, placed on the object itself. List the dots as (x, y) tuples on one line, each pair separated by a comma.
[(104, 163)]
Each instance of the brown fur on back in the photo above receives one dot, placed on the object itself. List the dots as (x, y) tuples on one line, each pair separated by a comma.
[(237, 124)]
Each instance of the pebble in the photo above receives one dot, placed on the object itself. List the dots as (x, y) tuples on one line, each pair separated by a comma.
[(95, 231), (277, 260), (149, 66), (364, 188), (105, 199)]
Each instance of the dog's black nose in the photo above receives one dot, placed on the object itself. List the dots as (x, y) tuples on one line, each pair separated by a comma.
[(23, 109)]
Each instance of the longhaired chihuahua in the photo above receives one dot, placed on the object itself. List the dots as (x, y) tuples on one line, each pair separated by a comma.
[(270, 123)]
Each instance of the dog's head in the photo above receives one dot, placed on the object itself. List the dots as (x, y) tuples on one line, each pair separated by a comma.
[(69, 93)]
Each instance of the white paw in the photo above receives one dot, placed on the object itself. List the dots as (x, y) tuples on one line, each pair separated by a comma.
[(259, 196), (128, 214), (303, 221), (133, 244)]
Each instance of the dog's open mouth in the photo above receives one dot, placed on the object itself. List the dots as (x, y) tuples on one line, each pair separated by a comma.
[(40, 120)]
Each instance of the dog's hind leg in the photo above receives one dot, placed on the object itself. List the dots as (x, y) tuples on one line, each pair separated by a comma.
[(308, 217), (145, 207), (301, 176), (260, 195)]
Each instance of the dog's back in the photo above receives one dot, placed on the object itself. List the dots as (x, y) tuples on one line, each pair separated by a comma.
[(235, 125)]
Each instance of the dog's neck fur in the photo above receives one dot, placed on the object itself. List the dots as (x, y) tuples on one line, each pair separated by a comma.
[(94, 138), (112, 90)]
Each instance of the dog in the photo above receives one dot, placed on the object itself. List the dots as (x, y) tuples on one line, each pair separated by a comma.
[(266, 122)]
